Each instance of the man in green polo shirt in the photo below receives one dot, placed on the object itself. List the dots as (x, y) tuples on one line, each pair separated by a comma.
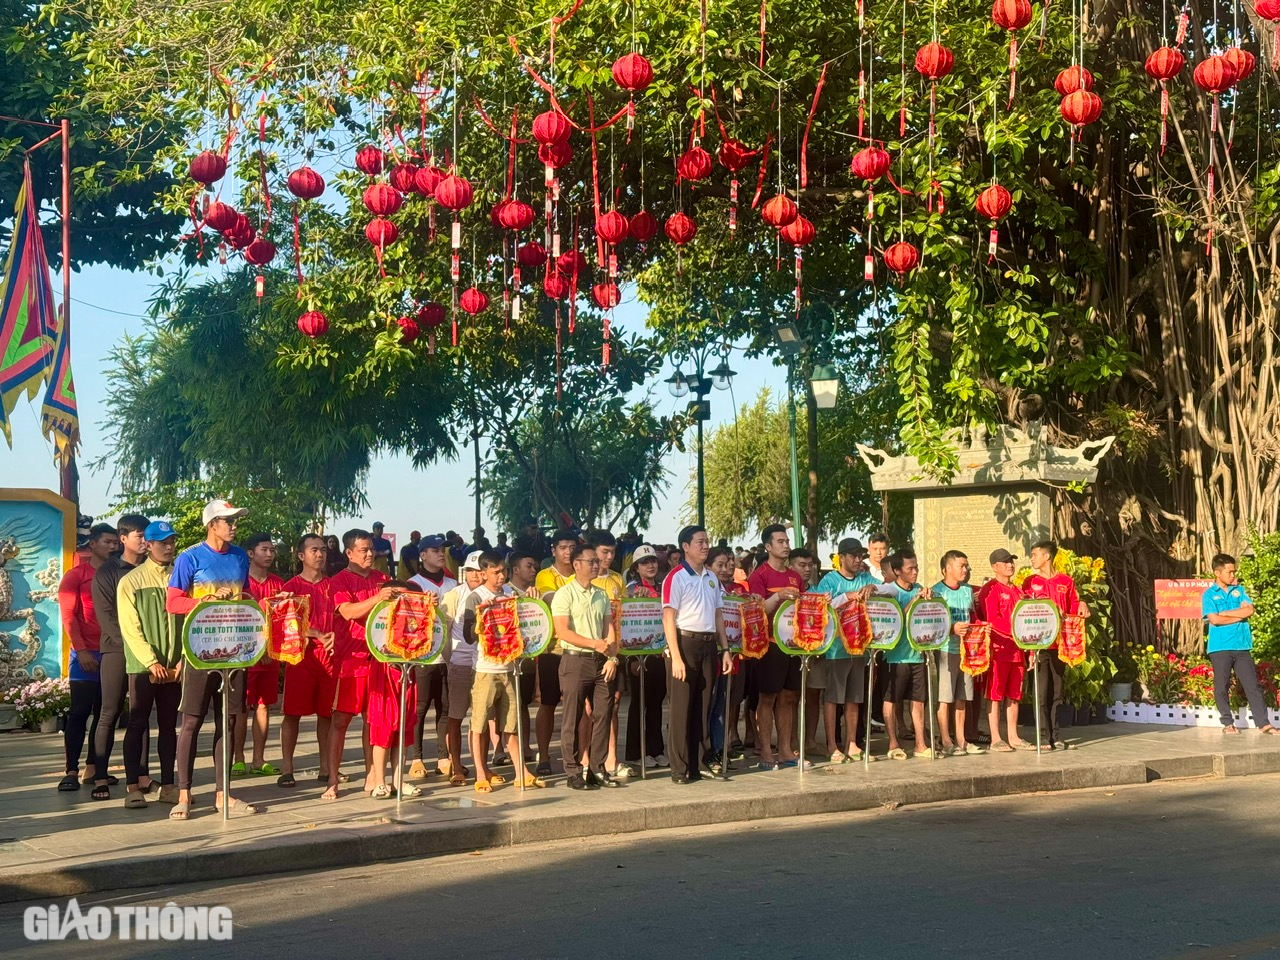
[(583, 620)]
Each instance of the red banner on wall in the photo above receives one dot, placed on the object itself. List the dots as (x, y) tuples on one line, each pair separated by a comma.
[(1180, 599)]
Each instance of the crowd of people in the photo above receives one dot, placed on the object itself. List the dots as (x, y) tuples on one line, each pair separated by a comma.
[(123, 607)]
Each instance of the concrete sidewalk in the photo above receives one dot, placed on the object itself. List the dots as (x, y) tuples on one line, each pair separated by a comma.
[(62, 844)]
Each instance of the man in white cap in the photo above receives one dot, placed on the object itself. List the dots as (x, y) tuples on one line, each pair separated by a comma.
[(460, 660)]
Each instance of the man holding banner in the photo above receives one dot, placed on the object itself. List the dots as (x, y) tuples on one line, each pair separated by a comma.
[(908, 675), (1060, 589), (846, 676), (650, 671), (994, 605), (955, 687), (777, 675)]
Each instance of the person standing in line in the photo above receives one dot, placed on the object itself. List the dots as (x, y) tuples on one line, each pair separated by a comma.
[(994, 605), (583, 620), (877, 553), (337, 559), (1227, 608), (908, 675), (522, 574), (803, 562), (611, 582), (382, 716), (213, 569), (383, 559), (131, 532), (434, 579), (846, 676), (549, 580), (460, 660), (777, 674), (75, 606), (720, 561), (309, 686), (694, 628), (648, 670), (503, 548), (955, 687), (1060, 589), (262, 680), (409, 555), (153, 659)]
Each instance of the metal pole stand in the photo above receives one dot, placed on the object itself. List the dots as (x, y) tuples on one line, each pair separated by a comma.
[(228, 736), (519, 726), (724, 727), (644, 747), (1035, 679), (804, 692), (399, 747), (871, 703), (931, 670)]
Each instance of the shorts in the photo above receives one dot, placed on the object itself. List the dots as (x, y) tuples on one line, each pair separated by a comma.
[(1004, 680), (383, 714), (309, 688), (197, 685), (846, 680), (458, 684), (262, 687), (818, 673), (908, 681), (493, 697), (351, 693), (777, 671), (953, 683), (549, 679)]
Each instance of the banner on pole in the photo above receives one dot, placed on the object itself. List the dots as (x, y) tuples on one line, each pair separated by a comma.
[(377, 632), (887, 622), (784, 630), (1036, 623), (928, 624), (638, 621), (224, 635), (535, 625)]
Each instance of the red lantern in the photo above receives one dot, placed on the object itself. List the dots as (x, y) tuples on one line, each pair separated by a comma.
[(799, 232), (381, 233), (934, 61), (555, 155), (694, 164), (1081, 108), (1241, 60), (220, 216), (612, 227), (1267, 10), (495, 213), (1072, 79), (531, 254), (408, 329), (426, 180), (735, 156), (260, 252), (382, 199), (555, 286), (1167, 62), (870, 164), (208, 167), (551, 127), (994, 204), (632, 72), (431, 315), (1011, 14), (643, 227), (680, 228), (606, 295), (473, 301), (454, 193), (241, 233), (779, 211), (305, 183), (404, 177), (901, 257), (369, 161), (571, 262), (314, 324), (1214, 74), (515, 215)]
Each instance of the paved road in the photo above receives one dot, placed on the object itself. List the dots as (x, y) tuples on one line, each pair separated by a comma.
[(1184, 870)]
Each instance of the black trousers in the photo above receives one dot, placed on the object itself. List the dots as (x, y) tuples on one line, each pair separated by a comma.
[(430, 684), (1241, 661), (651, 671), (86, 702), (582, 679), (144, 695), (689, 739), (114, 686), (1053, 674)]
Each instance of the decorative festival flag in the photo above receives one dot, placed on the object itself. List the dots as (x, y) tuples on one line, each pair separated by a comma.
[(811, 614), (288, 620), (755, 631), (59, 418), (855, 627), (499, 630), (28, 323), (1071, 642), (413, 617), (975, 649)]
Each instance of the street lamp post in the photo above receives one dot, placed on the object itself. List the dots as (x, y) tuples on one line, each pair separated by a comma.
[(702, 383)]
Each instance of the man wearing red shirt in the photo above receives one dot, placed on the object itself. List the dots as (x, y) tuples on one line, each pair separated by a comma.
[(356, 590), (75, 604), (1060, 589), (309, 686), (994, 605), (262, 680), (777, 675)]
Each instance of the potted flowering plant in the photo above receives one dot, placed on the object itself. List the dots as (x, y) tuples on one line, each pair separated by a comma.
[(41, 702)]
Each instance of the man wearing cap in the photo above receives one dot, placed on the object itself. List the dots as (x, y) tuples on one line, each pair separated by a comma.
[(994, 605), (430, 679), (383, 561), (460, 662), (846, 676), (409, 555), (1060, 590), (549, 580), (153, 659), (213, 569)]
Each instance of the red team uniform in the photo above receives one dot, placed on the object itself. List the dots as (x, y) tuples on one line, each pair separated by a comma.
[(994, 604), (262, 683), (309, 686)]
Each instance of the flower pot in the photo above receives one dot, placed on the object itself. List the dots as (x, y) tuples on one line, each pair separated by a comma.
[(49, 725), (9, 719), (1121, 691)]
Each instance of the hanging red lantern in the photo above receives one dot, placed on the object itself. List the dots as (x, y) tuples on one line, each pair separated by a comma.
[(1081, 108), (779, 211), (632, 72), (382, 199), (515, 215), (531, 254), (643, 227), (241, 233), (680, 228), (694, 164), (555, 155), (426, 180), (474, 301), (1241, 60), (220, 216), (800, 232), (369, 161), (571, 262), (431, 315), (902, 257), (612, 227), (404, 177), (870, 164), (381, 233), (1267, 10), (305, 183), (454, 193), (994, 204), (1011, 15), (606, 295), (208, 167), (934, 61), (408, 329), (1214, 74), (495, 213), (555, 286), (1164, 64), (734, 155), (551, 127), (260, 252), (314, 324), (1071, 79)]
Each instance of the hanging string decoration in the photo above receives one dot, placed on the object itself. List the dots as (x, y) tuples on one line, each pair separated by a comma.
[(1163, 65), (1011, 15), (1214, 75), (800, 233), (993, 204)]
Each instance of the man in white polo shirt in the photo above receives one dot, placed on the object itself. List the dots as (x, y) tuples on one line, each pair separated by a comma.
[(691, 620)]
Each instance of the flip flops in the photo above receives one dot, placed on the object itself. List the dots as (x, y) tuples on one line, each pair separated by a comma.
[(69, 784), (381, 792), (180, 811), (408, 791), (266, 770), (239, 770), (286, 780), (168, 794), (134, 800), (497, 779), (101, 792), (238, 808), (999, 746), (482, 786), (531, 781), (897, 753)]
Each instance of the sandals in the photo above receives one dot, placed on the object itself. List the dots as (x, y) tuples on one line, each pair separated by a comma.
[(1230, 728), (342, 778), (69, 784), (482, 786), (457, 780), (838, 757), (238, 808), (853, 756), (101, 792), (767, 765), (999, 746), (286, 780), (531, 781), (544, 769), (266, 770), (1269, 729), (134, 800), (239, 770), (497, 779), (897, 753), (381, 792), (180, 811), (408, 790)]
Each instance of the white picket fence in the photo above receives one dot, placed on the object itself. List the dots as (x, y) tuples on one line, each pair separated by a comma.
[(1179, 716)]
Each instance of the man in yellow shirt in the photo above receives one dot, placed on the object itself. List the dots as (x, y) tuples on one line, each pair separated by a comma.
[(611, 582), (549, 580)]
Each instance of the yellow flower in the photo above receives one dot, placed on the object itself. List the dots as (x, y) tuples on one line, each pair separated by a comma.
[(1150, 649)]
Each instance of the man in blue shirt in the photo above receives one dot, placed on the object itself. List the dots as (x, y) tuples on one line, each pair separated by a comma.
[(955, 687), (908, 675), (846, 676), (1228, 608)]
